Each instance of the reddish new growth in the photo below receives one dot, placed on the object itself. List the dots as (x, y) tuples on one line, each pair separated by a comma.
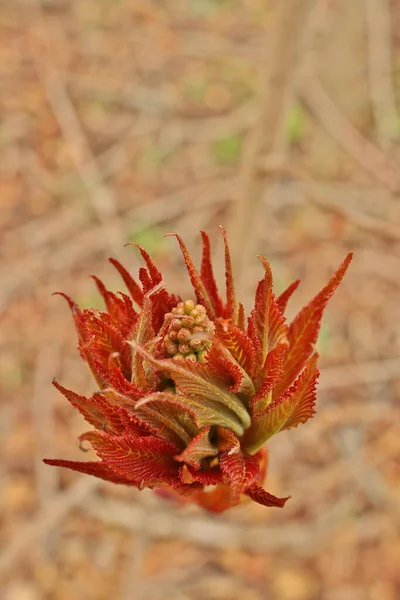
[(189, 392)]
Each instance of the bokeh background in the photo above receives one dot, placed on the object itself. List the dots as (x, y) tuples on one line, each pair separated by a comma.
[(124, 119)]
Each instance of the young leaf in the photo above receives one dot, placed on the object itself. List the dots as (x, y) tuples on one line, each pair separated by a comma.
[(168, 414), (198, 449), (297, 405), (207, 276), (231, 311), (284, 298), (239, 345), (233, 469), (258, 322), (272, 372), (131, 284), (197, 283), (195, 381), (145, 461), (97, 469), (303, 332), (261, 496)]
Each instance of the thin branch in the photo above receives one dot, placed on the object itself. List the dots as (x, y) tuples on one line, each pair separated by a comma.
[(287, 25), (44, 521), (380, 65), (371, 158)]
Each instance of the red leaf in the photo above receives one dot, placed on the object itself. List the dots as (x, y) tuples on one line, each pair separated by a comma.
[(258, 322), (73, 306), (272, 372), (303, 332), (199, 448), (131, 284), (170, 415), (206, 477), (102, 413), (146, 461), (103, 339), (120, 309), (207, 276), (297, 405), (231, 310), (284, 298), (258, 494), (194, 380), (240, 323), (226, 440), (97, 469), (233, 469), (143, 334), (86, 406), (154, 273), (222, 365), (252, 472), (239, 345), (278, 329), (119, 384), (197, 283)]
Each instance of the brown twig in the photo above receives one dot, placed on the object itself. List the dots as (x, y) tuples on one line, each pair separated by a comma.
[(100, 196), (44, 521), (285, 35), (380, 71), (343, 132)]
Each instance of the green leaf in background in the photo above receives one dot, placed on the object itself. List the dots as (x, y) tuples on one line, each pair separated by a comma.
[(227, 150), (206, 8), (153, 157), (150, 237), (295, 125), (324, 342)]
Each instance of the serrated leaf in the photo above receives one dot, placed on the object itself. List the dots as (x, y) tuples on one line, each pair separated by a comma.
[(199, 448), (197, 283), (196, 382), (239, 345), (207, 276), (272, 372), (233, 469), (222, 365), (231, 310), (144, 333), (240, 322), (284, 298), (303, 332), (261, 496), (252, 472), (154, 273), (206, 477), (258, 322), (292, 408), (101, 339), (146, 461), (297, 405), (120, 309), (133, 287), (97, 469), (86, 406), (169, 414), (278, 329)]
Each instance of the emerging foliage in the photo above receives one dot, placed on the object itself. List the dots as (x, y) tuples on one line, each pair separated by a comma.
[(189, 393)]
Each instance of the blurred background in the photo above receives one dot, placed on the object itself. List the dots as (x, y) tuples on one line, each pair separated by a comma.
[(122, 120)]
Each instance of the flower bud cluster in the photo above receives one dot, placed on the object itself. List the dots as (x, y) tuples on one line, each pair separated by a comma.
[(189, 332)]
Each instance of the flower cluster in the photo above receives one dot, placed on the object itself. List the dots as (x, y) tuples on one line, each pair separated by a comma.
[(189, 390)]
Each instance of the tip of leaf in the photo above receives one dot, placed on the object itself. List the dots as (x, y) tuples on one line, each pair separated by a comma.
[(170, 234), (73, 306)]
